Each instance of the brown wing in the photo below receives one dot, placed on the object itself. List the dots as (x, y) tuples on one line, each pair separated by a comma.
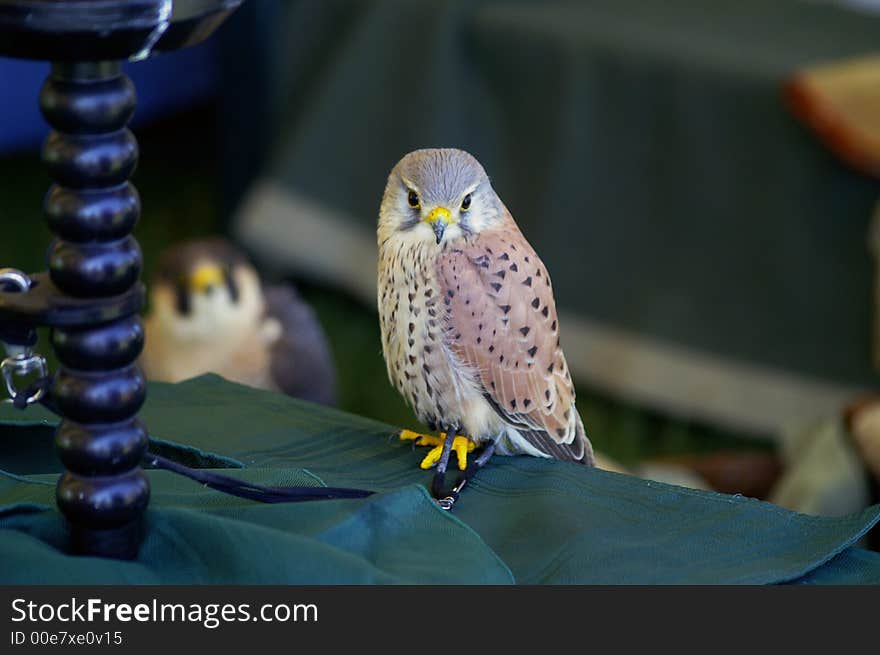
[(503, 324)]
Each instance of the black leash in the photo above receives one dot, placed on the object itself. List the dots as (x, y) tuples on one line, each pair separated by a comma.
[(40, 387), (235, 487)]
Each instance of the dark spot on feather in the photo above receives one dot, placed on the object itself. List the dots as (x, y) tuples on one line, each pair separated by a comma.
[(412, 360), (411, 296), (426, 369), (560, 432), (550, 370), (505, 256), (501, 359), (566, 414), (491, 349), (526, 258), (545, 311), (513, 267), (493, 385), (525, 330), (536, 302), (429, 292), (527, 402), (547, 394), (528, 281), (450, 293), (410, 342), (479, 339), (504, 308), (496, 286), (513, 404), (501, 273), (412, 327), (532, 351), (553, 326), (416, 311)]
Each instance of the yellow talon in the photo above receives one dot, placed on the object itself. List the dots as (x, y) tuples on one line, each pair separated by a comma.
[(460, 445), (432, 457)]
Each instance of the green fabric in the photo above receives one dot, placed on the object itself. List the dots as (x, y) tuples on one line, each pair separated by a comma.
[(522, 520), (636, 143)]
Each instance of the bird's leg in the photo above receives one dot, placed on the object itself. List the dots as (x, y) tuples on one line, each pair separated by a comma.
[(442, 463), (484, 457), (461, 445)]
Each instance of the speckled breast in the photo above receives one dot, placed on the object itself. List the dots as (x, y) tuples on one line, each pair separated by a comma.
[(413, 320)]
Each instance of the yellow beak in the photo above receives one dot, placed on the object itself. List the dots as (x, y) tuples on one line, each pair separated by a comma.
[(439, 218), (206, 276)]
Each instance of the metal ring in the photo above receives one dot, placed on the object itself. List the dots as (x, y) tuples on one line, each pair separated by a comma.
[(16, 277), (446, 503)]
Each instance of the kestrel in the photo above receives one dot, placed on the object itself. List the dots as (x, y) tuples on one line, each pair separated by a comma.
[(209, 312), (469, 328)]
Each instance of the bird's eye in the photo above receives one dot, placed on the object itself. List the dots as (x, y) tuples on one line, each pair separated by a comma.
[(466, 203), (413, 199)]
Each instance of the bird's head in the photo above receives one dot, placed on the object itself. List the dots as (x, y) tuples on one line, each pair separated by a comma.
[(205, 290), (437, 195)]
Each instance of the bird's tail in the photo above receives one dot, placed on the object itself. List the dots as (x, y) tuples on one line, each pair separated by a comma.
[(589, 458), (579, 450)]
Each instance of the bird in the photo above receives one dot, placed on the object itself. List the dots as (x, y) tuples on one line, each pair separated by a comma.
[(210, 313), (468, 322)]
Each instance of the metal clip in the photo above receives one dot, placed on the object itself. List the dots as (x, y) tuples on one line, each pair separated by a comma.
[(447, 502), (21, 365), (21, 360)]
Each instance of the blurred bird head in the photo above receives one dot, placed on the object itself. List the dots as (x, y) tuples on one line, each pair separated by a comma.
[(437, 196), (205, 290)]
